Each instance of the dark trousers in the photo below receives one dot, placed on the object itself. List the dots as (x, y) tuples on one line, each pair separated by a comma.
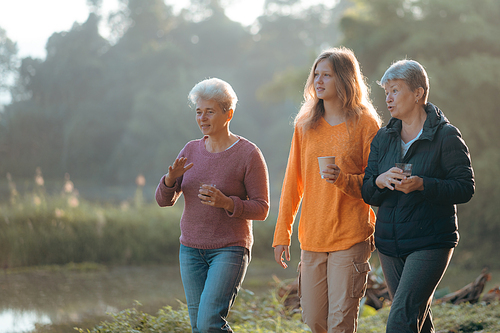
[(412, 281)]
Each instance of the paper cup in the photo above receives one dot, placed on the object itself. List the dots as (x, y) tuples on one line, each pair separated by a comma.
[(323, 161)]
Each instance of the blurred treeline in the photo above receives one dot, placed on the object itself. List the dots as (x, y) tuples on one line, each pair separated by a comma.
[(105, 111)]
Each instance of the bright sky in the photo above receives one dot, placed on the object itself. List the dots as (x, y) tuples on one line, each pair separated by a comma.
[(31, 22)]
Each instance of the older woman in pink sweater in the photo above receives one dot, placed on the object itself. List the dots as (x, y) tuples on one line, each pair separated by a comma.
[(225, 183)]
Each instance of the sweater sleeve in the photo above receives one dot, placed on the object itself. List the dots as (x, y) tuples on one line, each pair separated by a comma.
[(291, 193), (351, 184), (167, 196), (370, 192), (458, 186), (256, 207)]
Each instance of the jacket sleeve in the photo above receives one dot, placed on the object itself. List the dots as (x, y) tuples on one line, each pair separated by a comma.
[(370, 192), (458, 185), (256, 207)]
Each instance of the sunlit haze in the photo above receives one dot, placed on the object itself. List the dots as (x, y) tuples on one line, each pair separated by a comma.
[(31, 22)]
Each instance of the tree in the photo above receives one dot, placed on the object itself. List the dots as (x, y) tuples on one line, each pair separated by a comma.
[(112, 109), (457, 42), (8, 52), (54, 91)]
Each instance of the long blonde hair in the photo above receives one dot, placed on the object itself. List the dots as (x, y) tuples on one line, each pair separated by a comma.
[(351, 89)]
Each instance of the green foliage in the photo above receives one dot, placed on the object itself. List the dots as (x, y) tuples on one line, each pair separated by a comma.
[(105, 111), (133, 320), (456, 41), (467, 317), (249, 314), (108, 110), (263, 314), (266, 314), (8, 51), (41, 229)]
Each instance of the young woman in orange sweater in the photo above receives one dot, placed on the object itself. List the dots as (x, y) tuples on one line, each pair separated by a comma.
[(336, 226)]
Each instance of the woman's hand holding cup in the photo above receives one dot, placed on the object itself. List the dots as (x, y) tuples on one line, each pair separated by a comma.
[(328, 169), (210, 195)]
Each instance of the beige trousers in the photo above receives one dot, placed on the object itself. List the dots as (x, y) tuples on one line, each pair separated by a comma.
[(331, 285)]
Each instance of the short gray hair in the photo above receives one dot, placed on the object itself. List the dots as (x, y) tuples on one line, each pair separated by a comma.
[(409, 71), (217, 90)]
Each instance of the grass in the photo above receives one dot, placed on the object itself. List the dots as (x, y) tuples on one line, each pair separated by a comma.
[(38, 228), (265, 314), (64, 230)]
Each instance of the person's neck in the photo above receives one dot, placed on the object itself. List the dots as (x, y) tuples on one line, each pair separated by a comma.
[(219, 143), (413, 125), (334, 114)]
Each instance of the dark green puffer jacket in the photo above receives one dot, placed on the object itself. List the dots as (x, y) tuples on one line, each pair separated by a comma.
[(421, 219)]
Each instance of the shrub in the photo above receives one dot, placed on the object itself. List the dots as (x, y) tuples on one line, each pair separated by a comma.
[(53, 232), (249, 314), (267, 315)]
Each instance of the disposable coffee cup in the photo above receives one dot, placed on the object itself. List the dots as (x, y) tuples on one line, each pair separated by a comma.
[(323, 161)]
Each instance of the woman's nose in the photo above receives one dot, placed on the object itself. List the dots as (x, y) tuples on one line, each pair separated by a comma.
[(388, 98)]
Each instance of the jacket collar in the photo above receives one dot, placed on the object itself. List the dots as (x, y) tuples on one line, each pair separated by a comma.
[(435, 119)]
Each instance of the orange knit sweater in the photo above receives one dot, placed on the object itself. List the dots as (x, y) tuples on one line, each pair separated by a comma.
[(333, 216)]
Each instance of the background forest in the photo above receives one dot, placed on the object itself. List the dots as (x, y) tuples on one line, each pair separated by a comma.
[(104, 111)]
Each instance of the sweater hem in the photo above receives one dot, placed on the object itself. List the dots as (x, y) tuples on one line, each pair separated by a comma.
[(216, 246)]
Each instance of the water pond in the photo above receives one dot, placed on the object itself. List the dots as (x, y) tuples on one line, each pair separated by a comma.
[(65, 298), (68, 298)]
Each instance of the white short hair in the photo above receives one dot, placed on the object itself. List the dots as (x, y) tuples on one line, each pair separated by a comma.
[(409, 71), (217, 90)]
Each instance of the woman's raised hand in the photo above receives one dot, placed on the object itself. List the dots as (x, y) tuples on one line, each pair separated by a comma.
[(176, 170)]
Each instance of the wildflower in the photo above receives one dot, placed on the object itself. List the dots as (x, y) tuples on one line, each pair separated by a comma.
[(59, 213), (140, 180), (68, 184), (73, 201), (38, 177), (13, 190)]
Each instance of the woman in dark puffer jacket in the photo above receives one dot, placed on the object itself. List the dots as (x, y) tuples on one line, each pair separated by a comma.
[(416, 229)]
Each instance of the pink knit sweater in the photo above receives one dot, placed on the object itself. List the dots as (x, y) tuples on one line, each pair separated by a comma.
[(241, 174)]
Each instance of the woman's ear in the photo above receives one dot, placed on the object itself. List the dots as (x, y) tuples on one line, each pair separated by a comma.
[(419, 93), (230, 114)]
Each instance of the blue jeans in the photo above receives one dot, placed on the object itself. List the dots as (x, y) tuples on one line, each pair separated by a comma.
[(412, 281), (211, 280)]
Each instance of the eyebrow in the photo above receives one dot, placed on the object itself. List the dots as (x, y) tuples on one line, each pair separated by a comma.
[(392, 85)]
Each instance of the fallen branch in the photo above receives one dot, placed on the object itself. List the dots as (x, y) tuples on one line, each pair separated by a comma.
[(470, 293)]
